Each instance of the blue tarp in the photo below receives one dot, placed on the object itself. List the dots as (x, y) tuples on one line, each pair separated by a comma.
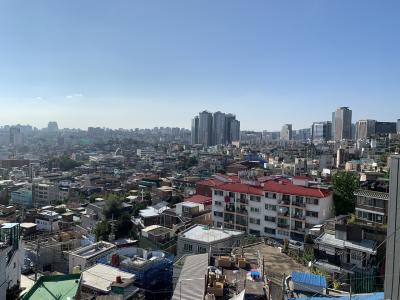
[(309, 279), (373, 296)]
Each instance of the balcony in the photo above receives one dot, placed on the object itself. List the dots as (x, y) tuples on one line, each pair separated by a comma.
[(283, 214), (230, 208), (283, 225), (298, 216), (284, 202), (243, 201), (298, 229), (228, 218), (242, 211)]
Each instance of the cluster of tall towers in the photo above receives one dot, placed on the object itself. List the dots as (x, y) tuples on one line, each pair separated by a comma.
[(215, 128)]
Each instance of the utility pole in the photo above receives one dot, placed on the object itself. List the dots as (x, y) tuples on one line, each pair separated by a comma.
[(350, 288), (112, 233), (37, 258)]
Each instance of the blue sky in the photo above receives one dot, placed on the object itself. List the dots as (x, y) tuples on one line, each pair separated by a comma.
[(157, 63)]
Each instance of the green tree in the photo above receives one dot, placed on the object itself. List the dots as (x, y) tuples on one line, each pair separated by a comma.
[(124, 226), (344, 186), (174, 200), (102, 230), (137, 207), (147, 196), (112, 209)]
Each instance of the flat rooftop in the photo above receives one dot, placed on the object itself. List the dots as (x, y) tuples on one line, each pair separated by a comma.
[(63, 286), (367, 246), (100, 277), (93, 249), (209, 235)]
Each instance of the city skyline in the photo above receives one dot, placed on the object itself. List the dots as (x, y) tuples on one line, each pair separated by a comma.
[(354, 122), (148, 64)]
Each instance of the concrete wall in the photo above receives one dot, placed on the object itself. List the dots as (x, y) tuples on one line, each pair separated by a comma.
[(392, 278)]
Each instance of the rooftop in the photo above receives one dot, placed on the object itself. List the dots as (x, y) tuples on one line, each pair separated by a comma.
[(199, 199), (372, 194), (156, 229), (9, 225), (100, 277), (367, 246), (309, 279), (154, 210), (93, 249), (191, 283), (209, 235), (282, 187), (52, 287)]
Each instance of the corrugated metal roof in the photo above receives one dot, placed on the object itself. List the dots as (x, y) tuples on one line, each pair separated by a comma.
[(191, 283), (309, 279)]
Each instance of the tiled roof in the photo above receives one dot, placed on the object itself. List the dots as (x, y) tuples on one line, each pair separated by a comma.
[(292, 189), (210, 182), (215, 181), (272, 186), (242, 188), (199, 199)]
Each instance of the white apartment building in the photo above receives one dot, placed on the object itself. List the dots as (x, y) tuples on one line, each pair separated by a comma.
[(279, 208), (48, 221), (11, 257), (88, 256), (202, 239), (44, 194)]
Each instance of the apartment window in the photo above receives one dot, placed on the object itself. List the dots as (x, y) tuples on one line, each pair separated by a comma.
[(286, 197), (379, 219), (188, 247), (255, 198), (231, 195), (299, 199), (218, 214), (313, 201), (312, 214), (282, 232), (269, 219), (201, 249), (218, 203), (371, 217), (254, 221), (270, 207), (243, 196), (218, 193), (254, 209), (269, 230)]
